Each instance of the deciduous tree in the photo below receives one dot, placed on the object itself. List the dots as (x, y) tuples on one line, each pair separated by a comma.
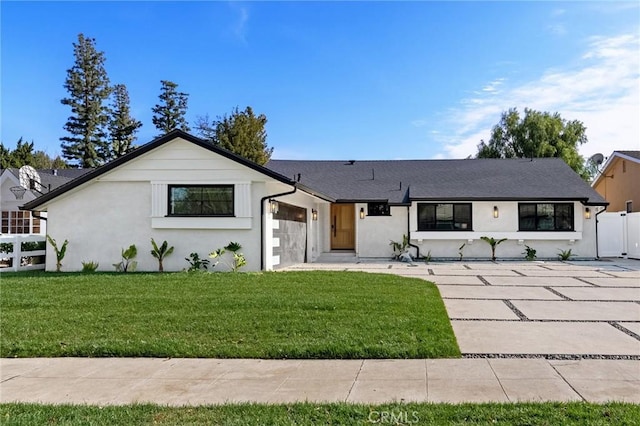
[(538, 134), (170, 113), (88, 87), (241, 132)]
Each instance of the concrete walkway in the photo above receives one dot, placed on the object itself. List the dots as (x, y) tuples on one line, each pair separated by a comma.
[(214, 381), (530, 331)]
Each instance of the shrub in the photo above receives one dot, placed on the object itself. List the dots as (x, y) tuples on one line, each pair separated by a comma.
[(529, 253), (89, 266), (565, 255), (196, 263)]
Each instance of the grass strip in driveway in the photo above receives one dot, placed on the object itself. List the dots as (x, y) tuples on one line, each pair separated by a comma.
[(575, 413), (314, 314)]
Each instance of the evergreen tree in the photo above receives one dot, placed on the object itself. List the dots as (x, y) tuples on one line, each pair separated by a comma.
[(22, 155), (241, 132), (122, 127), (169, 113), (5, 157), (88, 87)]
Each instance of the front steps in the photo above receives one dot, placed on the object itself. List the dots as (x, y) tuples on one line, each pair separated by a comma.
[(338, 256)]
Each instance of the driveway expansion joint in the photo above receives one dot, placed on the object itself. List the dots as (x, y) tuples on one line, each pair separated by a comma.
[(515, 310), (484, 281), (567, 382), (555, 357), (557, 293), (519, 273), (625, 330), (586, 282)]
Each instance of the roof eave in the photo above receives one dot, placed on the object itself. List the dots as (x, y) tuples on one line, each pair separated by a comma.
[(40, 201)]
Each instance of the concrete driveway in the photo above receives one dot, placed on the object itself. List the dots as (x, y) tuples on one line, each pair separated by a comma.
[(552, 310)]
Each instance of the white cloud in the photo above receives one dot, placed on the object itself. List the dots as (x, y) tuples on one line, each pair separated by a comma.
[(602, 91), (239, 27)]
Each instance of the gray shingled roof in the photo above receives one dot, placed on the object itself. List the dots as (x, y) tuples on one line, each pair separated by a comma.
[(633, 154), (51, 181), (400, 181)]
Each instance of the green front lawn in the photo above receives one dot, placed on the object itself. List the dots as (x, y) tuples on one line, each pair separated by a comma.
[(575, 413), (258, 315)]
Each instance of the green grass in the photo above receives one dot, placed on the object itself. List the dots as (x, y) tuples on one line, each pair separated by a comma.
[(575, 413), (261, 315)]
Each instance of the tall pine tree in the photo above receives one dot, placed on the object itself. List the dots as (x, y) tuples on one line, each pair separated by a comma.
[(169, 113), (88, 87), (122, 127)]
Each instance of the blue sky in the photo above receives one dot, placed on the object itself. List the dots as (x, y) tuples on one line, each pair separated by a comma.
[(338, 80)]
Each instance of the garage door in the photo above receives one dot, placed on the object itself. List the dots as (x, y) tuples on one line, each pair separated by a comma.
[(290, 233)]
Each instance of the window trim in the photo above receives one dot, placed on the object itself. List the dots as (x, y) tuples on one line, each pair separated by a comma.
[(573, 218), (375, 213), (468, 229), (233, 199)]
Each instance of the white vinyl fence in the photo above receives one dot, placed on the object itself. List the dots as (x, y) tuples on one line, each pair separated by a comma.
[(619, 235), (22, 252)]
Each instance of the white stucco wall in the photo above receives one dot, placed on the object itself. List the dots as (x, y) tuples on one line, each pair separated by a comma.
[(374, 233), (127, 206), (446, 244)]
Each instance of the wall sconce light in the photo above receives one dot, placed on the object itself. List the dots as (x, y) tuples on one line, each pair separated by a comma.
[(587, 213), (496, 212), (361, 212), (314, 214), (273, 206)]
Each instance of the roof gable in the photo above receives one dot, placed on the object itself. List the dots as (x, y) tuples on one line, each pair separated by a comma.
[(144, 149), (633, 156)]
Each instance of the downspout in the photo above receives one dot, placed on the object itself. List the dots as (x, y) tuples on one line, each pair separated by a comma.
[(262, 200), (596, 216), (409, 232)]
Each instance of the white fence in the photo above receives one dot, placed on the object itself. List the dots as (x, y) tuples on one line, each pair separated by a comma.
[(619, 235), (13, 258)]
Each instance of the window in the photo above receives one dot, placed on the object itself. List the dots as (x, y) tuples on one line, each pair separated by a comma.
[(444, 217), (629, 206), (545, 217), (201, 200), (290, 213), (378, 209), (19, 222)]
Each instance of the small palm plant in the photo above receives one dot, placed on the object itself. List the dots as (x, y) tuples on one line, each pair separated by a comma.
[(238, 258), (127, 263), (160, 252), (60, 252), (493, 243)]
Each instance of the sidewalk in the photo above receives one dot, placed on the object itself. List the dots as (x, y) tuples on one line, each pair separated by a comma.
[(215, 381)]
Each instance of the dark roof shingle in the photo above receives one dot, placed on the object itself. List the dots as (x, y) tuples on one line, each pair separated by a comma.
[(399, 181)]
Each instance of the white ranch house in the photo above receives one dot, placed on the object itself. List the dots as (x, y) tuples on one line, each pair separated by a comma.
[(198, 197)]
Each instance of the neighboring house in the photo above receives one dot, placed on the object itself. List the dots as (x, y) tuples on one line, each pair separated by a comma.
[(18, 186), (619, 181), (199, 198)]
